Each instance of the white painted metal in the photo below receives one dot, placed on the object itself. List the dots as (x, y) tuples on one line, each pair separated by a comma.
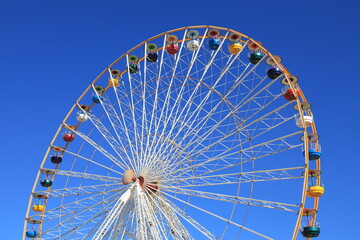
[(114, 213)]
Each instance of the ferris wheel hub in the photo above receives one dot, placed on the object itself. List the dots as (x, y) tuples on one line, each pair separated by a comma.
[(128, 176)]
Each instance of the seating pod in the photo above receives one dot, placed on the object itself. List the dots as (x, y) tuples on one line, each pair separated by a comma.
[(235, 48), (256, 57), (313, 154), (38, 208), (96, 98), (310, 232), (31, 234), (68, 137), (213, 44), (193, 45), (172, 48), (56, 159), (46, 183), (290, 95), (113, 82), (315, 191), (152, 57), (274, 73), (307, 119)]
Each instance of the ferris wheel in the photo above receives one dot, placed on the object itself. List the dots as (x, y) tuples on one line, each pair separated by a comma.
[(196, 133)]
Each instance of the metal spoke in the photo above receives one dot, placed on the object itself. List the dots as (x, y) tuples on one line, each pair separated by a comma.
[(217, 216), (173, 210), (100, 149), (88, 175), (76, 191), (236, 199), (241, 177), (113, 214), (80, 212)]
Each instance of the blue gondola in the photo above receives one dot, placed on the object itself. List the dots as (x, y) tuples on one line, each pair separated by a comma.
[(256, 57), (273, 73), (97, 99), (56, 159), (213, 44), (133, 68), (46, 183), (313, 154), (31, 234), (152, 57)]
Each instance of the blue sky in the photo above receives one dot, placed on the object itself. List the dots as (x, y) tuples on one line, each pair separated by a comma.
[(51, 50)]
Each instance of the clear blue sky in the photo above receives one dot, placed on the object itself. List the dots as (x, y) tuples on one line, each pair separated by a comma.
[(51, 50)]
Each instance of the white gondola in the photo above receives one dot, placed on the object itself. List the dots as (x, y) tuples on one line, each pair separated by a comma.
[(193, 45), (307, 119), (81, 116)]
